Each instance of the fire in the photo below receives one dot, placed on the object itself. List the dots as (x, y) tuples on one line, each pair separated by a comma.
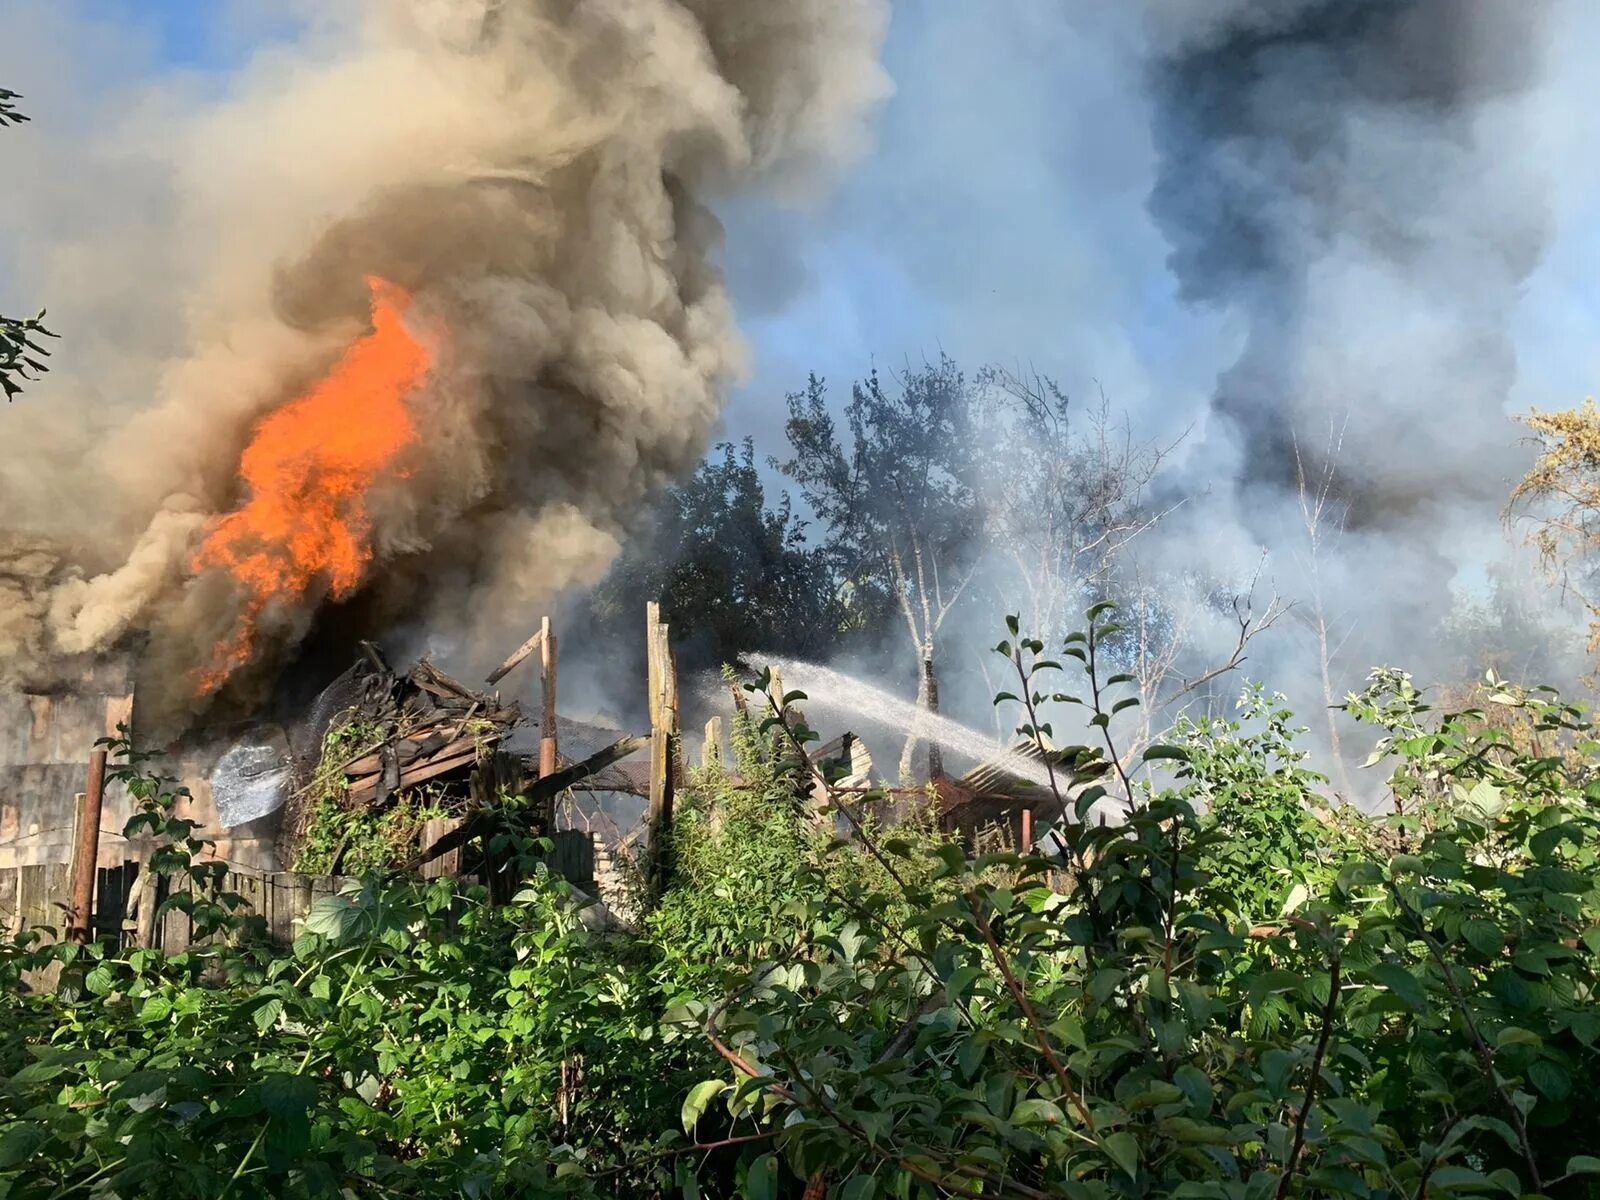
[(308, 472)]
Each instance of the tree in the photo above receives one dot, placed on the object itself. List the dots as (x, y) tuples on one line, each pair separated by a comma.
[(732, 574), (897, 492), (1074, 501), (20, 351), (1560, 496), (1071, 499)]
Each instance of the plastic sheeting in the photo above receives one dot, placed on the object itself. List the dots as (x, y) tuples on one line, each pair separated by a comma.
[(252, 779)]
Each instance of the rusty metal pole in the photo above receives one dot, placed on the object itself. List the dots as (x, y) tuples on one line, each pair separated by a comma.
[(86, 856), (547, 661)]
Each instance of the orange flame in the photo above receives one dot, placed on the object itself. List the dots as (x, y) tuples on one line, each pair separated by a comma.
[(309, 470)]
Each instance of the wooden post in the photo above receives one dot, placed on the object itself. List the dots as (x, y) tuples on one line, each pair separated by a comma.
[(86, 856), (663, 687), (1027, 831), (711, 752), (547, 661)]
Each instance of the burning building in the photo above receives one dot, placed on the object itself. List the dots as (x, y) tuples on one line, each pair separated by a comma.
[(446, 310)]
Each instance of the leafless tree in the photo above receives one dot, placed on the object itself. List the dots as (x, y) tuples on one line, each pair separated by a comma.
[(1323, 515)]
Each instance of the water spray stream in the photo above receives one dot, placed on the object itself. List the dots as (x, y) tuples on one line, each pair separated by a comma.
[(831, 688)]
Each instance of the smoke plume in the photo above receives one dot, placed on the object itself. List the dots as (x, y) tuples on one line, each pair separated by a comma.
[(1351, 177), (537, 176)]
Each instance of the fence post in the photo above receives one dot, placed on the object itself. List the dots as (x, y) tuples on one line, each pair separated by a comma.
[(711, 752), (86, 855), (663, 685), (547, 662)]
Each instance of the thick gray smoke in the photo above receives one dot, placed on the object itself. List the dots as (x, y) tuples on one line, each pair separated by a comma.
[(538, 174), (1353, 177)]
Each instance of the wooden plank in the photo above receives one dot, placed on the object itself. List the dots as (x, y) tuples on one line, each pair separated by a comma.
[(176, 929), (119, 712), (305, 895), (145, 934), (111, 901), (251, 887), (8, 899), (41, 730), (33, 896), (278, 895), (447, 864), (518, 656), (434, 767), (572, 856)]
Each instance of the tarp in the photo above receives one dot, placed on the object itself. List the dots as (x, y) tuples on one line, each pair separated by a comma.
[(253, 778)]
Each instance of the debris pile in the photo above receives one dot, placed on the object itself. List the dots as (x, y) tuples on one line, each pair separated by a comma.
[(429, 728), (394, 752), (411, 768)]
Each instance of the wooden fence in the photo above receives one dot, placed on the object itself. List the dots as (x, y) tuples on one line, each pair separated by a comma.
[(37, 897)]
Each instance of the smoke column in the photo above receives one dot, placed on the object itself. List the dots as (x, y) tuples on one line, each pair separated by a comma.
[(1349, 176), (536, 176)]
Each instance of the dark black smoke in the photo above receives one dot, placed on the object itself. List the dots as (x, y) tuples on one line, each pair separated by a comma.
[(1340, 172)]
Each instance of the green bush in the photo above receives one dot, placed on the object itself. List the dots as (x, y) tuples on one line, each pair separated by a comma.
[(1422, 1023), (1216, 996)]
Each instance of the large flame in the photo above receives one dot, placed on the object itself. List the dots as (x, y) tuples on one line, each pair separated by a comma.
[(308, 472)]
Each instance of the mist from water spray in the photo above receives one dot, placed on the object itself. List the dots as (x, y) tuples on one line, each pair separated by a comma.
[(828, 688)]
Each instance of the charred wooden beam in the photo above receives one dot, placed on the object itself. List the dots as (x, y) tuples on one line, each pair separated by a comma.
[(519, 656)]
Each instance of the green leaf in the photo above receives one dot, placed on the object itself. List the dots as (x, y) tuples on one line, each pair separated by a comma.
[(761, 1181), (266, 1015), (1583, 1164), (1512, 1035), (284, 1095), (1485, 800), (338, 917), (1123, 1149), (1297, 896), (1551, 1078), (859, 1187), (701, 1095), (99, 981), (1459, 1179), (1173, 752), (1483, 936), (1196, 1085), (20, 1142), (154, 1009), (961, 982), (1037, 1112), (1402, 983)]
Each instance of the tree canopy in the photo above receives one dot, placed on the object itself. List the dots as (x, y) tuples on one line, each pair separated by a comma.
[(733, 573)]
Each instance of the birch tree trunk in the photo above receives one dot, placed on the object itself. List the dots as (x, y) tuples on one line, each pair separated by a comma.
[(927, 703)]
